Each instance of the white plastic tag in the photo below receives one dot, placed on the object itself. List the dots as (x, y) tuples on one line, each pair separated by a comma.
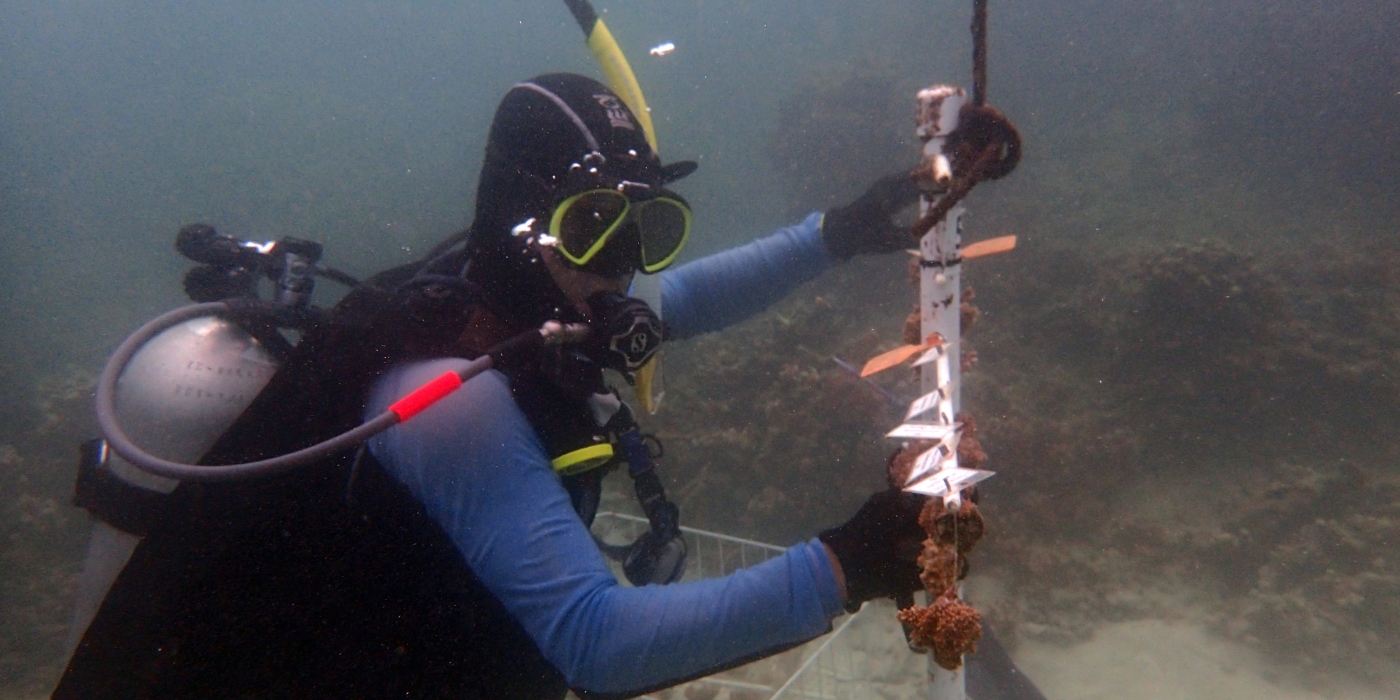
[(925, 403), (921, 431), (949, 481), (942, 456), (929, 356), (932, 461)]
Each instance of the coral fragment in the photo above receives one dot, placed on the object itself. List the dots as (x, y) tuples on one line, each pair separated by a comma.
[(949, 627)]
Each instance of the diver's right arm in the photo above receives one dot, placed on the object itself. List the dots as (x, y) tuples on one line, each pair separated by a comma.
[(727, 287), (479, 469)]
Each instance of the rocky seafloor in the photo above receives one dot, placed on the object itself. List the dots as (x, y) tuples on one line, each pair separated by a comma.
[(42, 536), (1182, 432)]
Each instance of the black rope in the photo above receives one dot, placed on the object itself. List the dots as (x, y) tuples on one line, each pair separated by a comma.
[(995, 160), (979, 52), (985, 146)]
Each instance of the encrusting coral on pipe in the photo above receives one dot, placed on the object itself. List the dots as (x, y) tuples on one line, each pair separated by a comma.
[(949, 627)]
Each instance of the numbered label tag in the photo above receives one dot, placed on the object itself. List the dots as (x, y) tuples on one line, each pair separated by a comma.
[(949, 482)]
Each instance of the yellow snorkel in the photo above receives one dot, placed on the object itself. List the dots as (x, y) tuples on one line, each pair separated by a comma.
[(614, 64), (624, 83)]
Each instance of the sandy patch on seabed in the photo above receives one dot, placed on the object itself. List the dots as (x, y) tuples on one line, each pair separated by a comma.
[(1157, 660)]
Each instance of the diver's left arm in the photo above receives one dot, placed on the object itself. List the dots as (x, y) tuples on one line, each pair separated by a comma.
[(720, 290), (480, 471)]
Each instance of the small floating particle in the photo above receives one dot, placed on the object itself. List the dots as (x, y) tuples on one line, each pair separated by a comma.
[(663, 49)]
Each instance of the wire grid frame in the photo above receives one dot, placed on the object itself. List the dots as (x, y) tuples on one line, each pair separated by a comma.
[(864, 656)]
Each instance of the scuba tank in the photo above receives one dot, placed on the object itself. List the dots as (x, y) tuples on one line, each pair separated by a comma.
[(187, 385), (180, 392), (177, 394)]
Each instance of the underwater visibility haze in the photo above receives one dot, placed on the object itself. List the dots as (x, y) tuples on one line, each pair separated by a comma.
[(1187, 373)]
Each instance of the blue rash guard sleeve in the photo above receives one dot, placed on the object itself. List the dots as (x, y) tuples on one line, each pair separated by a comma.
[(481, 473), (725, 288)]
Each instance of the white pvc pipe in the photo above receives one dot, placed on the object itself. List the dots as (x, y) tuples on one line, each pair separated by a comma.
[(940, 303)]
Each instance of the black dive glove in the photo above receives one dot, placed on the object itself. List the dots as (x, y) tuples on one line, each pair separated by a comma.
[(867, 224), (877, 548)]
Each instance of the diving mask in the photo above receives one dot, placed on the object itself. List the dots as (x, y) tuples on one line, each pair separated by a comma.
[(583, 224)]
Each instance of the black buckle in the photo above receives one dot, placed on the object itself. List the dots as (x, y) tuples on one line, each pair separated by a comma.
[(112, 499)]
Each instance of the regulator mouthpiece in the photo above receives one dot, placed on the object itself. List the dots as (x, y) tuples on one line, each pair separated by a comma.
[(626, 332)]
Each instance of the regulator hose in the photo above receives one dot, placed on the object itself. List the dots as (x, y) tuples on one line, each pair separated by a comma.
[(398, 412)]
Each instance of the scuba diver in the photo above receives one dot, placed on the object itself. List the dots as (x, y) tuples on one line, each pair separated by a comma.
[(451, 554)]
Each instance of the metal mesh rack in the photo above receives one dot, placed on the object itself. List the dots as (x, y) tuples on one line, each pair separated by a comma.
[(863, 657)]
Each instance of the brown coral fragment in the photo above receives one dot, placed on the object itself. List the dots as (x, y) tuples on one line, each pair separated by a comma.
[(968, 312), (901, 463), (913, 328), (949, 627), (970, 453), (964, 531), (967, 316), (969, 360), (938, 566)]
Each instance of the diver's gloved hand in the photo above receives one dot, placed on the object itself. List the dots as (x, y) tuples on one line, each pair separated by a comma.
[(867, 224), (877, 548)]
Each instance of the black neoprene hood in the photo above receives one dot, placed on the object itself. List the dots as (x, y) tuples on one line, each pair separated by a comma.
[(544, 127)]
